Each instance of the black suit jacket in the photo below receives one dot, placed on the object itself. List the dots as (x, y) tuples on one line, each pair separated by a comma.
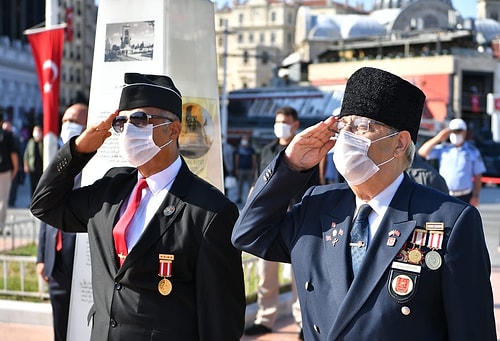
[(452, 302), (194, 223), (47, 254)]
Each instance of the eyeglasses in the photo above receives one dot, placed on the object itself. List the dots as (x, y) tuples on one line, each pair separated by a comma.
[(360, 124), (139, 119)]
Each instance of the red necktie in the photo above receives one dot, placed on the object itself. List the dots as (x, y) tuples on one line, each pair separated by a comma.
[(59, 240), (120, 230)]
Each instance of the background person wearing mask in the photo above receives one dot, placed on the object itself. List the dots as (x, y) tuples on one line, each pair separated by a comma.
[(56, 249), (33, 157), (163, 267), (460, 162)]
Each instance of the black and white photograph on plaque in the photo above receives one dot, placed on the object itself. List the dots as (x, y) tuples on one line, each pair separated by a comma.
[(129, 41)]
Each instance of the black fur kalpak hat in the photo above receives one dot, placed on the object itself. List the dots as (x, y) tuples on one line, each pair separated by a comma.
[(150, 91), (384, 97)]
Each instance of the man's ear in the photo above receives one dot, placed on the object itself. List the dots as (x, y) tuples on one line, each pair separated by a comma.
[(404, 140), (175, 129)]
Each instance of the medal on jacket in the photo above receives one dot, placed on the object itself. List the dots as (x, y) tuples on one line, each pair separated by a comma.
[(165, 271)]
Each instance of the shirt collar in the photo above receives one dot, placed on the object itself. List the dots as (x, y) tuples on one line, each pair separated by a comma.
[(160, 180), (382, 200)]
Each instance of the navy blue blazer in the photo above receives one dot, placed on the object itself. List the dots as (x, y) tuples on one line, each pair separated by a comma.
[(390, 298)]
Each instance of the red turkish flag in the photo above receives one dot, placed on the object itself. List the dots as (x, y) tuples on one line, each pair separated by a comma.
[(47, 47)]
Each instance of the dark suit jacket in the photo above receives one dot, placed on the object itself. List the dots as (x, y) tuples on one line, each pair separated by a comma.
[(453, 302), (47, 253), (193, 223)]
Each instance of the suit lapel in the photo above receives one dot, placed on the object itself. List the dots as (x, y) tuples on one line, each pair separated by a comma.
[(378, 258), (123, 190), (336, 244)]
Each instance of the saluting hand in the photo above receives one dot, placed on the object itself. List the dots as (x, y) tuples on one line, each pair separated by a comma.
[(443, 135), (94, 136), (309, 147)]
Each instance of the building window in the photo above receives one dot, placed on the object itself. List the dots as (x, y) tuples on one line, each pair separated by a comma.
[(273, 16), (273, 38), (261, 38), (240, 38), (290, 18), (250, 38), (221, 22), (240, 18)]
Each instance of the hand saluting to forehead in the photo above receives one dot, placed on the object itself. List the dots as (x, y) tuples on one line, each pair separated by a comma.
[(310, 146)]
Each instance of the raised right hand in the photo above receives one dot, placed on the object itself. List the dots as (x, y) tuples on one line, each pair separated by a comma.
[(94, 136)]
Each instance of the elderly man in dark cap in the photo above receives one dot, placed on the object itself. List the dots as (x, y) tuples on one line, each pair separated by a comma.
[(163, 266), (426, 272)]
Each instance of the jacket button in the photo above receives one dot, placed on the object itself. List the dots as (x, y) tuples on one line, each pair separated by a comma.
[(118, 286), (113, 323)]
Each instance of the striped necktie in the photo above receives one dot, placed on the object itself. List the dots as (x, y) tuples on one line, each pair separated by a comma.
[(359, 237)]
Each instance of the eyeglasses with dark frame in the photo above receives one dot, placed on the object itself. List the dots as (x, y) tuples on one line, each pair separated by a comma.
[(139, 119), (361, 124)]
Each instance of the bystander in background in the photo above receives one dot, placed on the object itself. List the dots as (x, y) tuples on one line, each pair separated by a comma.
[(245, 162), (460, 162), (33, 157), (9, 165), (19, 179)]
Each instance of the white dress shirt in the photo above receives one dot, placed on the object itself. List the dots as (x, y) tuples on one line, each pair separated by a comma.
[(152, 196), (379, 205)]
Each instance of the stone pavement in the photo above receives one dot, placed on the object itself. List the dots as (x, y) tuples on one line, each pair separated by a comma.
[(25, 327)]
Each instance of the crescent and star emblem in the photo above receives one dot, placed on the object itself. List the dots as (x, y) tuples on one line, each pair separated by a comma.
[(50, 65)]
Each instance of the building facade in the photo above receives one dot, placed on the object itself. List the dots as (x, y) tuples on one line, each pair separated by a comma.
[(259, 35), (21, 101)]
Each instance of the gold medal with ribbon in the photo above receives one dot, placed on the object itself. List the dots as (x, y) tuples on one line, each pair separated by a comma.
[(165, 271)]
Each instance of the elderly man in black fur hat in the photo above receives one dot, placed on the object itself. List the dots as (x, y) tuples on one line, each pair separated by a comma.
[(163, 266), (379, 257)]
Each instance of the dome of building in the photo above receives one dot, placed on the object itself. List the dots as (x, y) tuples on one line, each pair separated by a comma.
[(385, 4), (325, 28), (488, 28), (359, 26)]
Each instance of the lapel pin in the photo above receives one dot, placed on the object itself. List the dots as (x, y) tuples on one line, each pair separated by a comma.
[(168, 211)]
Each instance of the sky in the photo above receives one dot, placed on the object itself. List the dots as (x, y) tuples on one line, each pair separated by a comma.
[(467, 8)]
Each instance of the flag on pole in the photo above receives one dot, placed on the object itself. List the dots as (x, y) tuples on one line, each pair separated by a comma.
[(47, 48)]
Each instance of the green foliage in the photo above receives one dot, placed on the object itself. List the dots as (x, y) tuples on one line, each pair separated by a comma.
[(28, 250)]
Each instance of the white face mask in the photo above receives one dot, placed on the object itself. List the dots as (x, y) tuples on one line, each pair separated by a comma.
[(37, 135), (137, 145), (282, 130), (456, 139), (351, 157), (70, 129)]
